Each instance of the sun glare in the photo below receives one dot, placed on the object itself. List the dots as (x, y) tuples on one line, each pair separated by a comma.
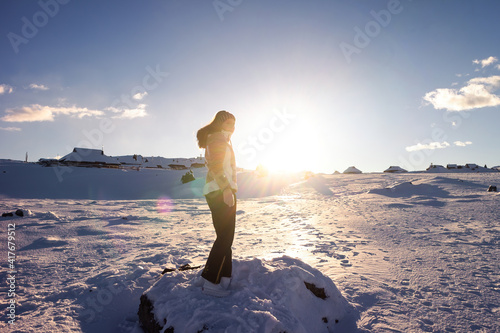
[(287, 143), (277, 166), (286, 161)]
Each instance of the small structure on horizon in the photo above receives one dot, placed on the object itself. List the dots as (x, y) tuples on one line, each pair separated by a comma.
[(352, 170), (472, 166), (436, 168), (85, 157), (395, 169)]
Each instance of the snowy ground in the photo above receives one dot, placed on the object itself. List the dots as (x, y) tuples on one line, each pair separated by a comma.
[(419, 257)]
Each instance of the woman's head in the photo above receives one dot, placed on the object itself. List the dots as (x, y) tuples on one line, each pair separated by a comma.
[(223, 121), (222, 116)]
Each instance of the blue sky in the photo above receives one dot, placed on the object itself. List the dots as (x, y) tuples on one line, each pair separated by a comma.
[(314, 85)]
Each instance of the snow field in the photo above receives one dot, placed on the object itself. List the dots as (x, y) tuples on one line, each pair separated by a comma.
[(419, 257)]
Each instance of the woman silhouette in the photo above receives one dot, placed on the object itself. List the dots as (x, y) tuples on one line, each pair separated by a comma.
[(220, 192)]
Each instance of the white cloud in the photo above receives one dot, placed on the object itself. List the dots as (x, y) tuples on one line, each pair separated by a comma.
[(10, 129), (492, 81), (5, 89), (138, 112), (462, 144), (36, 112), (485, 62), (38, 86), (140, 96), (428, 146), (478, 93)]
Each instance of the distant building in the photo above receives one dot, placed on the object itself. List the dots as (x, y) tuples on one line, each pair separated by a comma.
[(84, 157), (48, 161), (395, 169), (451, 166), (436, 168), (352, 170)]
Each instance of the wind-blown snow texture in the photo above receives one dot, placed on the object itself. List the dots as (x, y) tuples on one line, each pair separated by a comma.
[(411, 252)]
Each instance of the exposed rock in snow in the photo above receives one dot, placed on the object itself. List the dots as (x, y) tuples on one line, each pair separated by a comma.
[(18, 213), (279, 295)]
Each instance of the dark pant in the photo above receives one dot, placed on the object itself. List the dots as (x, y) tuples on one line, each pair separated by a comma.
[(219, 263)]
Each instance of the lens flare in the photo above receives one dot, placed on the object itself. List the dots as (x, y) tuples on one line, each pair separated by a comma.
[(164, 205)]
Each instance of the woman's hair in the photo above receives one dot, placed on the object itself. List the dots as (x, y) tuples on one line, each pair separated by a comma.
[(212, 127)]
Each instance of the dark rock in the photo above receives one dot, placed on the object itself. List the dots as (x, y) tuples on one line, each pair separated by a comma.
[(185, 267), (147, 317), (492, 188), (168, 270), (318, 292), (18, 212)]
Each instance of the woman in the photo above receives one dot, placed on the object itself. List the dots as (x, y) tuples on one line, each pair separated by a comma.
[(219, 191)]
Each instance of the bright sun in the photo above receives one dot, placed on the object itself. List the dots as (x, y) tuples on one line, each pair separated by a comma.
[(288, 147), (286, 160)]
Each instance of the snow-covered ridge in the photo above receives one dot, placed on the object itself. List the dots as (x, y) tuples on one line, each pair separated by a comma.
[(96, 158)]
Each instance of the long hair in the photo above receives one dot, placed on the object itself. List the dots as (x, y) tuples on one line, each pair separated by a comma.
[(214, 126)]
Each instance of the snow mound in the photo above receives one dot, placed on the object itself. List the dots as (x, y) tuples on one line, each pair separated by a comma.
[(409, 189), (49, 216), (45, 242), (278, 295)]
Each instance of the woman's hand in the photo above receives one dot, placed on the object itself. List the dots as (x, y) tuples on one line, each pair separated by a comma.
[(228, 197)]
